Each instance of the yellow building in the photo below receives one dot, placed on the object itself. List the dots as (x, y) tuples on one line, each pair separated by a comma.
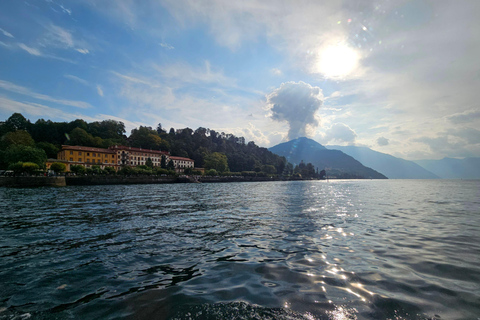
[(88, 156)]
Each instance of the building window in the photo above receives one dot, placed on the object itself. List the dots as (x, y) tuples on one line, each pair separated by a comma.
[(71, 152), (79, 153), (93, 155), (71, 159), (79, 159), (88, 153)]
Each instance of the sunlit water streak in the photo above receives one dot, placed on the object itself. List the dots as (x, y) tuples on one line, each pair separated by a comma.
[(280, 250)]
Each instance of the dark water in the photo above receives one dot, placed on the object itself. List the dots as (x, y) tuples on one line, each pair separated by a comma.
[(277, 250)]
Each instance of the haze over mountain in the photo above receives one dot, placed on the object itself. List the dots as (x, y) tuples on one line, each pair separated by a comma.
[(390, 166), (335, 162), (449, 168)]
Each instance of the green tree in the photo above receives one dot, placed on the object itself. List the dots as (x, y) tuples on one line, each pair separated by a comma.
[(217, 161), (127, 171), (17, 122), (19, 137), (110, 170), (170, 165), (16, 153), (160, 171), (78, 169), (163, 162), (80, 137), (96, 169), (108, 129), (24, 167), (211, 172), (269, 169), (58, 167), (50, 149), (147, 138), (149, 163)]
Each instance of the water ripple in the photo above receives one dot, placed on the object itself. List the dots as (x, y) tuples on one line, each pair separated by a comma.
[(280, 250)]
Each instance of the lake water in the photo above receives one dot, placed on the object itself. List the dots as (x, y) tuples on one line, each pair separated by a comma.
[(373, 249)]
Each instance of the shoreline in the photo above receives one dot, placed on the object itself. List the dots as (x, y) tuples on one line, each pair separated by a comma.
[(62, 181)]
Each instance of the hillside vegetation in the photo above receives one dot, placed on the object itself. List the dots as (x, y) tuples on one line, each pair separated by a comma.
[(24, 141)]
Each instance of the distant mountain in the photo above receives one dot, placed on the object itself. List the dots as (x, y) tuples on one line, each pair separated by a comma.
[(335, 162), (448, 168), (392, 167)]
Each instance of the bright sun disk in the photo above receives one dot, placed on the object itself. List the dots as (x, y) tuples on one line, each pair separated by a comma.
[(337, 61)]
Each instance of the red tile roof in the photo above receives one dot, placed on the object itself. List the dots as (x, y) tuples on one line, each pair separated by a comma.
[(80, 148), (180, 158), (137, 149)]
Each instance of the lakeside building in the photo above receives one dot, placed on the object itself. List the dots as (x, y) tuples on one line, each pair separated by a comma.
[(129, 156), (118, 156), (181, 163), (87, 157)]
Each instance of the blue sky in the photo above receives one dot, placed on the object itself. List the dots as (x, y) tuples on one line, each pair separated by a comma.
[(400, 77)]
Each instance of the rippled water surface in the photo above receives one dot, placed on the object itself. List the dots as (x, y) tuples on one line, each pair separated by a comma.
[(398, 249)]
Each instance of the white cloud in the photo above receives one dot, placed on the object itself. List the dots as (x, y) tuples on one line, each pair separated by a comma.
[(27, 92), (464, 117), (276, 72), (32, 51), (77, 79), (37, 111), (66, 10), (83, 51), (340, 133), (6, 33), (185, 73), (297, 104), (382, 141), (147, 82), (58, 37), (251, 133), (99, 90), (166, 46)]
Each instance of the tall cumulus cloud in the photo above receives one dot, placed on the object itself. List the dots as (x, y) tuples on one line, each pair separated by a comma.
[(297, 104)]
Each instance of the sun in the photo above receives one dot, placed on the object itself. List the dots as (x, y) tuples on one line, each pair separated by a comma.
[(337, 61)]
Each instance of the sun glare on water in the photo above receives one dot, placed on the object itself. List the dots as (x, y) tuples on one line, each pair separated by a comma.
[(337, 61)]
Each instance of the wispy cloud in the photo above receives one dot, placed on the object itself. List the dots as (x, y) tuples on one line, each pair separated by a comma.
[(166, 46), (83, 51), (185, 73), (147, 82), (36, 110), (36, 52), (77, 79), (8, 86), (32, 51), (58, 37), (66, 10), (6, 33), (464, 117), (276, 72), (99, 90)]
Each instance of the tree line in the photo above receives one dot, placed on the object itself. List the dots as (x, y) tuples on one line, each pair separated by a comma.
[(24, 141)]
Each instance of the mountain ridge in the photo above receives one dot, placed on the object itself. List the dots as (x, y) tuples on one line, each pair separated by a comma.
[(336, 162), (390, 166), (451, 168)]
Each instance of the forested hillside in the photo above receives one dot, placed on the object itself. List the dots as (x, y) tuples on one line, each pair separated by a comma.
[(44, 138)]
